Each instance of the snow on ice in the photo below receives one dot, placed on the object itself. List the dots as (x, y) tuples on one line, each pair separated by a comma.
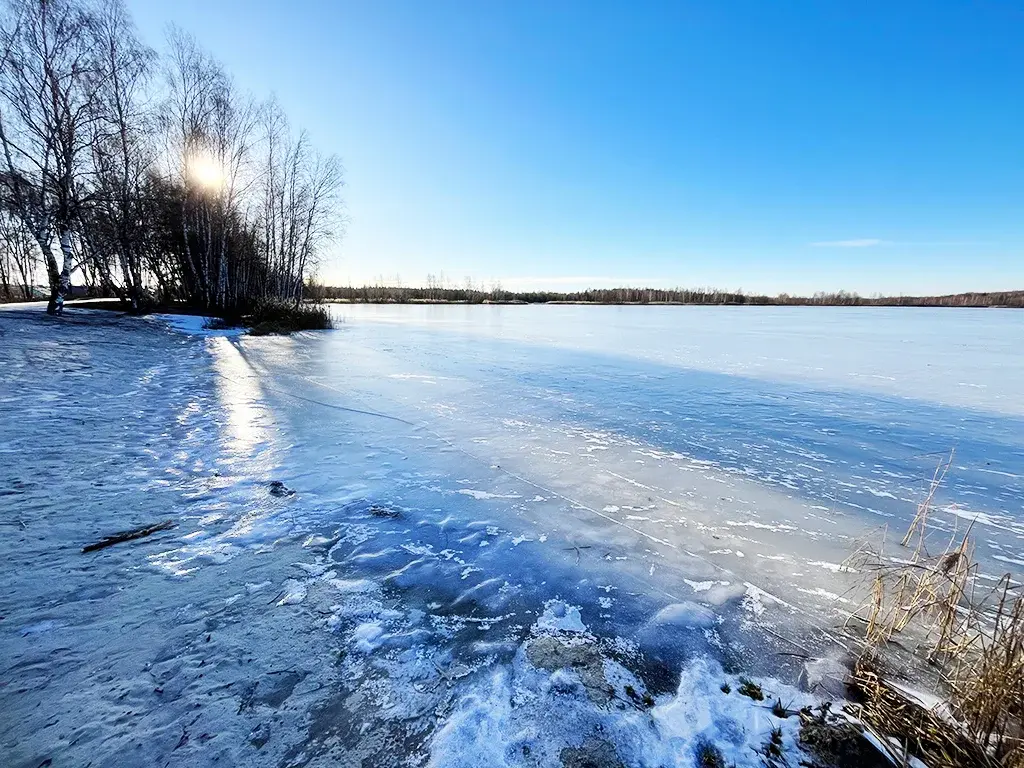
[(603, 525)]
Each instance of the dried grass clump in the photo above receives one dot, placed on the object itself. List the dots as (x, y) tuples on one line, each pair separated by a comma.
[(834, 741), (903, 724), (935, 617), (270, 318)]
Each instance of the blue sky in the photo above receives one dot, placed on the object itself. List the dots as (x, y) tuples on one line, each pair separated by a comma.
[(770, 146)]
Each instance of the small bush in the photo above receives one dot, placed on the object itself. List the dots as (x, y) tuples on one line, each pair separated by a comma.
[(772, 748), (219, 324), (709, 756), (751, 689), (278, 318), (780, 710)]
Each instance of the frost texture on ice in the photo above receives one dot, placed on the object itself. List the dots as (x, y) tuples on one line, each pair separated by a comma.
[(685, 615), (559, 616)]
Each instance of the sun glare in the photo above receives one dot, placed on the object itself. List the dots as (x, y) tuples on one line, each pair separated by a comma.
[(205, 171)]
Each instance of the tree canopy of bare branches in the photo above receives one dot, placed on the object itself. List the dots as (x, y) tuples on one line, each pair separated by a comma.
[(150, 178)]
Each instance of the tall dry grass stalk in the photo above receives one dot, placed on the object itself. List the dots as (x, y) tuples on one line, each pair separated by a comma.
[(920, 521), (935, 617)]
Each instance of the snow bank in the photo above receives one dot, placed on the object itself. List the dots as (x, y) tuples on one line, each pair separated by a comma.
[(505, 720)]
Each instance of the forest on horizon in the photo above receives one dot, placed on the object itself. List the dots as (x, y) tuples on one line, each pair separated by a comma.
[(468, 294)]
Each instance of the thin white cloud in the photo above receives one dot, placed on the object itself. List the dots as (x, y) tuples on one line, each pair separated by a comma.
[(865, 242)]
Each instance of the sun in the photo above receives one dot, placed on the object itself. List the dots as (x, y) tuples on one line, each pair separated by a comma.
[(205, 171)]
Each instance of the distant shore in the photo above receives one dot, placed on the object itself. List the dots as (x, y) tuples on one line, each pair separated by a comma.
[(1006, 300), (605, 296)]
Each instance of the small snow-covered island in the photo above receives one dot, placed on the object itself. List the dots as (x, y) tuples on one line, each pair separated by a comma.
[(264, 503)]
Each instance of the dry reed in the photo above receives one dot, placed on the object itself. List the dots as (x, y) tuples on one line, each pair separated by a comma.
[(932, 616)]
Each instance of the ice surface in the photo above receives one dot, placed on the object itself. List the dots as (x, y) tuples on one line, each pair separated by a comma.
[(196, 325), (724, 395), (967, 358), (495, 517)]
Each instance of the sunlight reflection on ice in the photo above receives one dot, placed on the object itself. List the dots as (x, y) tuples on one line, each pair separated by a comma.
[(241, 397)]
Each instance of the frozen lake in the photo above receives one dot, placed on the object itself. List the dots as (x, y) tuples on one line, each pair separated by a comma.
[(843, 409), (498, 512)]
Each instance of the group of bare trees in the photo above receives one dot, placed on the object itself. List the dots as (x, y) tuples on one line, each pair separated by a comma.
[(151, 178)]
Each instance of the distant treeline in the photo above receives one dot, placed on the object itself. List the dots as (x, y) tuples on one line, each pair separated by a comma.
[(379, 294)]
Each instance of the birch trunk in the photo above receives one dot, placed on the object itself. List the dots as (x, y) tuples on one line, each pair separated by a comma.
[(64, 282)]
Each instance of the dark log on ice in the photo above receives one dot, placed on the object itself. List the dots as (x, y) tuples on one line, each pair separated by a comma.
[(134, 533)]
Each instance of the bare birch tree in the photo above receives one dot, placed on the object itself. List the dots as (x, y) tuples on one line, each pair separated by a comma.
[(123, 154), (300, 203), (48, 84)]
